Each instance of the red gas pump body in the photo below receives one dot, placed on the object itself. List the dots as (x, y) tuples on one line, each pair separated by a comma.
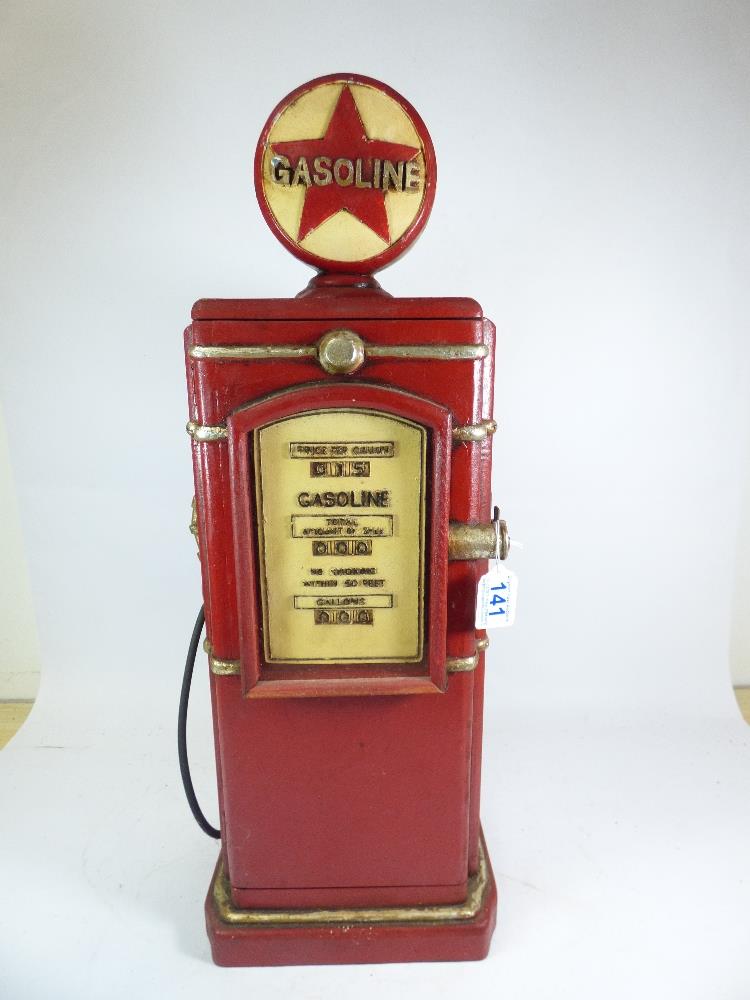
[(348, 791)]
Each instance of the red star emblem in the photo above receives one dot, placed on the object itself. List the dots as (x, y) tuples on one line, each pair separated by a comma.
[(345, 138)]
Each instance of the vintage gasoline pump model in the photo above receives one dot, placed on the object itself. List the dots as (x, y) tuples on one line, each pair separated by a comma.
[(342, 447)]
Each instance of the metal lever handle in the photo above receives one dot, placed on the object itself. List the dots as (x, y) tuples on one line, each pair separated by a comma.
[(479, 541)]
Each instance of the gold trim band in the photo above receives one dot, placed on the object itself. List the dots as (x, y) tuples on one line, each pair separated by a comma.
[(462, 664), (251, 352), (205, 433), (193, 526), (221, 668), (264, 352), (465, 664), (431, 352), (475, 432), (453, 664), (228, 913), (468, 432)]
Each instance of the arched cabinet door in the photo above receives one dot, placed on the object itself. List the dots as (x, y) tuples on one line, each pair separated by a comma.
[(340, 513)]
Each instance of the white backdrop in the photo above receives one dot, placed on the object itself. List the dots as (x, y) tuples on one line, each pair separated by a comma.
[(592, 194)]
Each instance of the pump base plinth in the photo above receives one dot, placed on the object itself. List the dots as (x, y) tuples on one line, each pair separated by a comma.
[(455, 932)]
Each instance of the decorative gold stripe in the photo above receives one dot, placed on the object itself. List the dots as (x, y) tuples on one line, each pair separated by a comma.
[(221, 668), (205, 433), (466, 910), (462, 664), (224, 668), (475, 432), (193, 526), (467, 432), (432, 352), (251, 352), (454, 664), (264, 352), (465, 664)]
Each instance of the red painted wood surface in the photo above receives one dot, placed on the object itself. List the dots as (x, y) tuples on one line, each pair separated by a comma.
[(370, 800), (347, 793)]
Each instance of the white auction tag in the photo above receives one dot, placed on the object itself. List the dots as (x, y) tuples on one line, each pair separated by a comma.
[(496, 598)]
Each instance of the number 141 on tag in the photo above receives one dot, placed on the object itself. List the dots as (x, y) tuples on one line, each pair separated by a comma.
[(496, 599)]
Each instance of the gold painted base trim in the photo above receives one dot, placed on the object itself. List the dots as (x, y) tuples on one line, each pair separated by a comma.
[(467, 910)]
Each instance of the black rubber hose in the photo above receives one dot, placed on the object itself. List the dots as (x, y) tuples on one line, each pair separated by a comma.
[(182, 754)]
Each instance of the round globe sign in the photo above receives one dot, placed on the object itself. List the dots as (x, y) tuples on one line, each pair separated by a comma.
[(345, 173)]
